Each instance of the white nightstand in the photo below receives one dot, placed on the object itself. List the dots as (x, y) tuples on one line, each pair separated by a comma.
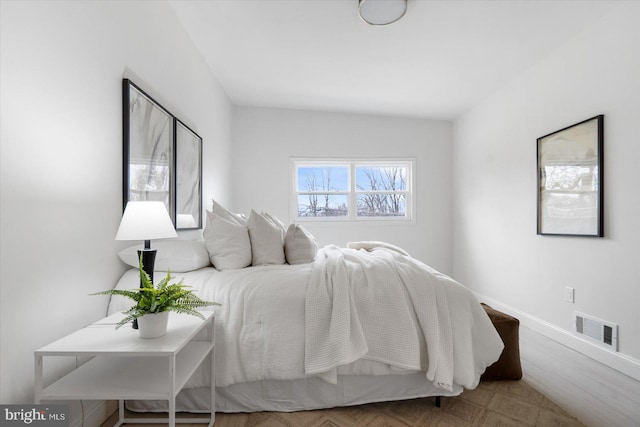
[(125, 366)]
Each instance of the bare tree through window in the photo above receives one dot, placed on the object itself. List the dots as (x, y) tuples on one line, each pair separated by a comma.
[(352, 190), (323, 196), (381, 191)]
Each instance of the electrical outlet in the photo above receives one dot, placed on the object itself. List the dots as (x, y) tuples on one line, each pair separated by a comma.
[(569, 294)]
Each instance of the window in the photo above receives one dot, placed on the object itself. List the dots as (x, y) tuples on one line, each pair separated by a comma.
[(347, 189)]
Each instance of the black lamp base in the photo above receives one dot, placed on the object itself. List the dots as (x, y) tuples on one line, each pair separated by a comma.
[(148, 262)]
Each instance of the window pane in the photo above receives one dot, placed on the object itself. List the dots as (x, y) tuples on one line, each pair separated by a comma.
[(322, 205), (322, 178), (378, 205), (381, 178)]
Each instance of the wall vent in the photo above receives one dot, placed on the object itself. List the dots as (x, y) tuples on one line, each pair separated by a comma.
[(597, 330)]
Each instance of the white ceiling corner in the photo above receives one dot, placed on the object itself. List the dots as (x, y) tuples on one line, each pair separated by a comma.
[(439, 60)]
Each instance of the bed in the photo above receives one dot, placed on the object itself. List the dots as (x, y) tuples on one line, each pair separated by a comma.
[(357, 324)]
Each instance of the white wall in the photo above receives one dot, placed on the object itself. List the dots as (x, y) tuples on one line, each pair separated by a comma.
[(496, 249), (265, 140), (61, 172)]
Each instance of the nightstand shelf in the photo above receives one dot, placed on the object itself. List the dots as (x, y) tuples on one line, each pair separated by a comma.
[(124, 366)]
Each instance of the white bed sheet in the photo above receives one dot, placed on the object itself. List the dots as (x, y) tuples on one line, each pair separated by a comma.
[(301, 394), (259, 324), (260, 344)]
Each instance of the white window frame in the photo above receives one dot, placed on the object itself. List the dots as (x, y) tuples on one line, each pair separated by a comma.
[(352, 192)]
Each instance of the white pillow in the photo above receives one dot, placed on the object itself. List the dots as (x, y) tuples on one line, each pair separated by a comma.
[(228, 243), (175, 255), (275, 221), (267, 244), (227, 214), (300, 247)]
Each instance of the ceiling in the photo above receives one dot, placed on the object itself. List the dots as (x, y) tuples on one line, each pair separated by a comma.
[(439, 60)]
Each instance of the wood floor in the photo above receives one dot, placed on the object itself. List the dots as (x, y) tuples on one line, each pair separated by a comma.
[(592, 392), (497, 403), (596, 395)]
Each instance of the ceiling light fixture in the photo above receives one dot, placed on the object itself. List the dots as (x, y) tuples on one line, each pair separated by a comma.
[(381, 12)]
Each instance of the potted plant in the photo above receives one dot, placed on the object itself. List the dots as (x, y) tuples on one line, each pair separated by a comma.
[(153, 303)]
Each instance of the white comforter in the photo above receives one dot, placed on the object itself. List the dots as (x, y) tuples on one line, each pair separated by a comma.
[(260, 325), (382, 305)]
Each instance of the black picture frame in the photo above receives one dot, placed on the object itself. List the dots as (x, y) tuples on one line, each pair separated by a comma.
[(570, 180), (188, 177), (150, 157)]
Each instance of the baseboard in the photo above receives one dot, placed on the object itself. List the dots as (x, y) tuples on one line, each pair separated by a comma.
[(95, 413), (615, 360)]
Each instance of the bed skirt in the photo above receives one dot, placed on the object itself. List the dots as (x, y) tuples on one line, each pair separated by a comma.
[(301, 394)]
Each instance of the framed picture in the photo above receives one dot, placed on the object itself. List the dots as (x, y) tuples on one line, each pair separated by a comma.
[(148, 148), (188, 177), (570, 180), (162, 158)]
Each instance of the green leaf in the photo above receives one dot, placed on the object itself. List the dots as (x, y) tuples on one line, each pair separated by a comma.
[(165, 296)]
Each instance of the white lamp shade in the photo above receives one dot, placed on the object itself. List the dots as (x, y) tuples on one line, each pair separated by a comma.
[(381, 12), (145, 221)]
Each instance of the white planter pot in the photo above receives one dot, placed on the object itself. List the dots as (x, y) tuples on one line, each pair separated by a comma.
[(153, 325)]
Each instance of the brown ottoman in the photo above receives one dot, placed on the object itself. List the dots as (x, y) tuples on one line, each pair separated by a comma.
[(508, 365)]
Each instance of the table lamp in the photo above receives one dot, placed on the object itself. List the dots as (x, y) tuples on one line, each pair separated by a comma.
[(145, 221)]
